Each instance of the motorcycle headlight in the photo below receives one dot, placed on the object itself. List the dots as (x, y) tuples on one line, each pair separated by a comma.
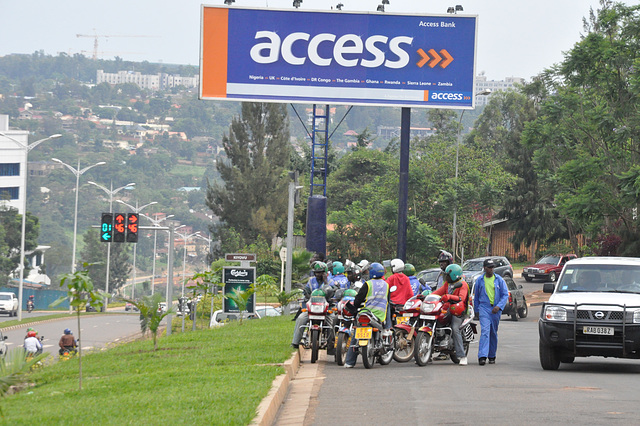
[(557, 313), (316, 308), (636, 316), (427, 308)]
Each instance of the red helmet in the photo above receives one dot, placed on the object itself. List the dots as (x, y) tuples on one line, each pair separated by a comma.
[(31, 334), (457, 309)]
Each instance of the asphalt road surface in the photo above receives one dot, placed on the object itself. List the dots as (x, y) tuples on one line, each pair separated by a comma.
[(513, 391)]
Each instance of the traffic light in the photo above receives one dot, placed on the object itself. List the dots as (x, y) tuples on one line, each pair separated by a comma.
[(106, 228), (119, 227), (132, 228)]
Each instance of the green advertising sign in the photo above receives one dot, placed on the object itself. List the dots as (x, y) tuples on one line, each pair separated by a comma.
[(241, 279)]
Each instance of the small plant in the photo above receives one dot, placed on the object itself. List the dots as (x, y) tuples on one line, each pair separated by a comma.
[(13, 367), (284, 297), (240, 298), (265, 286), (151, 315), (205, 282), (80, 293)]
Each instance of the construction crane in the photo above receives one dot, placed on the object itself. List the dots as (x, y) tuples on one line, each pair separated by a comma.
[(96, 36)]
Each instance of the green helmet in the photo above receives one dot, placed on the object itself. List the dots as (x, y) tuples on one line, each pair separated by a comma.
[(453, 272), (426, 292), (409, 269), (350, 293), (318, 266), (338, 268), (317, 292)]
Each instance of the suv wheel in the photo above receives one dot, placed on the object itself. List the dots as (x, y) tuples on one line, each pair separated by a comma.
[(514, 312), (553, 277), (549, 359), (524, 311)]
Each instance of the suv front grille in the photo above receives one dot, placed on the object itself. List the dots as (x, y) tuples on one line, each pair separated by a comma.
[(608, 315)]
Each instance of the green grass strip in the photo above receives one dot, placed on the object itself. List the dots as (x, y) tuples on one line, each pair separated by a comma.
[(216, 376)]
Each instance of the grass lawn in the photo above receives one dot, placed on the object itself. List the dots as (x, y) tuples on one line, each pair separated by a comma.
[(216, 376), (187, 170)]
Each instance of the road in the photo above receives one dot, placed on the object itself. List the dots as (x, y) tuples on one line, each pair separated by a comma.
[(97, 331), (513, 391)]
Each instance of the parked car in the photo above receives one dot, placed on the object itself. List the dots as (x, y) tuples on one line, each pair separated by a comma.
[(9, 304), (517, 304), (267, 311), (3, 345), (548, 268), (130, 307), (220, 317), (472, 268), (162, 307), (594, 310), (429, 276)]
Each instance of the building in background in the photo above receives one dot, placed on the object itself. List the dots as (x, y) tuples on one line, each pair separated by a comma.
[(12, 165), (160, 81), (495, 86)]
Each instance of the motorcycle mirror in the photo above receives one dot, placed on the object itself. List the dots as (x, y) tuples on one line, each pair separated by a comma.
[(422, 281)]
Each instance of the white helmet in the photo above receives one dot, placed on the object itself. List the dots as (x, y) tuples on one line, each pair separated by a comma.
[(397, 265), (364, 265)]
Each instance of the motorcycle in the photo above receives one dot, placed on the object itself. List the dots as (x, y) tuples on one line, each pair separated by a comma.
[(371, 344), (343, 330), (436, 333), (407, 321), (318, 328), (30, 306)]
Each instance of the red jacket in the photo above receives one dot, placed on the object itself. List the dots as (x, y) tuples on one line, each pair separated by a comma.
[(460, 294), (403, 291)]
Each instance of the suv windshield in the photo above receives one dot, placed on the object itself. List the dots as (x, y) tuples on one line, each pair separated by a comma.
[(472, 266), (552, 260), (5, 297), (600, 278)]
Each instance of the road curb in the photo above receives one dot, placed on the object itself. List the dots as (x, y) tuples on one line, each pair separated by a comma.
[(268, 408)]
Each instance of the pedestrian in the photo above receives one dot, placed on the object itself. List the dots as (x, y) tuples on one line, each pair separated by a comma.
[(490, 296)]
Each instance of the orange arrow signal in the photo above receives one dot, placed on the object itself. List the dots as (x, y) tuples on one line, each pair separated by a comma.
[(133, 219), (433, 58), (119, 218)]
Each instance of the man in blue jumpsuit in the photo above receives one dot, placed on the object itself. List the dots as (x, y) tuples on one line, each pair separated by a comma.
[(490, 295)]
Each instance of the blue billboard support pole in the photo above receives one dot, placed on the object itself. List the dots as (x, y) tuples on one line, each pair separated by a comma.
[(317, 204), (403, 187)]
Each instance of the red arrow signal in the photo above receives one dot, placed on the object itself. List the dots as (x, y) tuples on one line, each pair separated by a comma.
[(133, 219), (119, 218)]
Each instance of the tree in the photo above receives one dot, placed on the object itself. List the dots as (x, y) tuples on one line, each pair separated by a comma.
[(10, 241), (95, 254), (151, 315), (253, 200)]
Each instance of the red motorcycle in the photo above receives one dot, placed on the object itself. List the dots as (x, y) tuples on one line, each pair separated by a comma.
[(407, 321), (343, 330), (436, 333), (371, 344), (318, 328)]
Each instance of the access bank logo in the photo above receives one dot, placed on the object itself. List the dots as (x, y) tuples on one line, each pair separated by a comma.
[(448, 96), (348, 50)]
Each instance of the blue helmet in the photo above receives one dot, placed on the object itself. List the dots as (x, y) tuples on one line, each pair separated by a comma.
[(67, 331), (376, 270)]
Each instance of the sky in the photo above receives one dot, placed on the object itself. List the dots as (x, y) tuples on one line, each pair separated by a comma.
[(516, 38)]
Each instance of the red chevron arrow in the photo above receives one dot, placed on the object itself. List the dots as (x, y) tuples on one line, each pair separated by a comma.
[(436, 58), (424, 57), (447, 58)]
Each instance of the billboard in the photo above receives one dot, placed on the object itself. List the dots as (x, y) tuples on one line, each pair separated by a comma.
[(239, 279), (336, 57)]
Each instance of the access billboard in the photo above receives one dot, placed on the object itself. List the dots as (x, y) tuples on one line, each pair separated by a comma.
[(336, 57)]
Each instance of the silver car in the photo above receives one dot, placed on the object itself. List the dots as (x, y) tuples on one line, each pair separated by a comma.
[(472, 268)]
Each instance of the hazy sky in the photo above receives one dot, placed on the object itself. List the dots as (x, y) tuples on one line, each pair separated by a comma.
[(515, 37)]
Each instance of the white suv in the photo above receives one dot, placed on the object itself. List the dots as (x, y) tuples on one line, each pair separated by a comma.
[(9, 304), (594, 311)]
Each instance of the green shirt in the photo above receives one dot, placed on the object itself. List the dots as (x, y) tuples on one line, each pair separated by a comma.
[(490, 288)]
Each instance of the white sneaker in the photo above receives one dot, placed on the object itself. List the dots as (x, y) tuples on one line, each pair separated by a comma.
[(463, 360), (349, 366)]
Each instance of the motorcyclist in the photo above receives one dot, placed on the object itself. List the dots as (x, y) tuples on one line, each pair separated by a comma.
[(353, 275), (401, 282), (30, 329), (318, 281), (67, 342), (364, 265), (455, 298), (416, 286), (339, 279), (444, 259), (32, 345), (374, 296)]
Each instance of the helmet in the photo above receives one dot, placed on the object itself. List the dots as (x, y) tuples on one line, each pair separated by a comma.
[(445, 256), (30, 329), (339, 294), (318, 266), (328, 290), (31, 334), (67, 331), (397, 265), (350, 293), (426, 292), (364, 265), (457, 309), (376, 270), (409, 269), (317, 292), (338, 268), (453, 273)]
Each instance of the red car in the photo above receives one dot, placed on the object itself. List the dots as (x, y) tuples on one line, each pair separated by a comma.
[(548, 268)]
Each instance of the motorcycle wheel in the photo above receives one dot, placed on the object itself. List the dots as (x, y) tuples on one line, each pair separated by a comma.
[(403, 346), (368, 355), (384, 358), (342, 347), (315, 345), (423, 348)]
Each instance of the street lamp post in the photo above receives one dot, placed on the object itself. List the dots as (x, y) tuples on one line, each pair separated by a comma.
[(111, 193), (135, 209), (184, 237), (208, 240), (156, 223), (455, 207), (26, 148), (77, 172)]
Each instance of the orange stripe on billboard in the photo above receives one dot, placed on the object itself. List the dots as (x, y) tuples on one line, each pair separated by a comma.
[(426, 95), (213, 59)]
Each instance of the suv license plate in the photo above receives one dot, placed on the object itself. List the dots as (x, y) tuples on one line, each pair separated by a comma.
[(603, 331), (531, 275)]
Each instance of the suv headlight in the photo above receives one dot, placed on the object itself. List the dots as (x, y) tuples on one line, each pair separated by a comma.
[(636, 316), (556, 313)]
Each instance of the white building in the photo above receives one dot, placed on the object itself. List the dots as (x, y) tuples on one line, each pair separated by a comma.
[(495, 86), (12, 165), (159, 81)]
